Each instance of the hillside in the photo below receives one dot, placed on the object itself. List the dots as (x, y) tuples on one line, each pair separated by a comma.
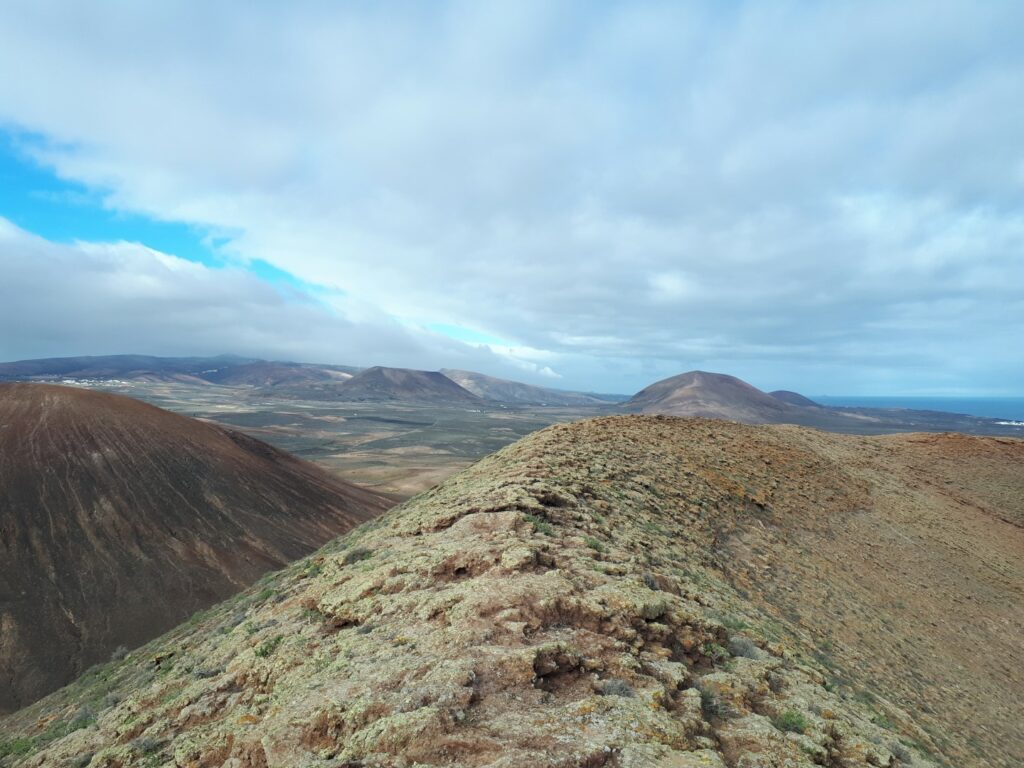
[(118, 520), (793, 398), (225, 370), (625, 592), (517, 393), (710, 395), (142, 367), (404, 385), (269, 374)]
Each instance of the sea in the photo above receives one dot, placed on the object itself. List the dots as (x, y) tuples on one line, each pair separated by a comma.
[(1009, 408)]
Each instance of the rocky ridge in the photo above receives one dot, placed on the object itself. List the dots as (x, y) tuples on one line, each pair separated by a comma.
[(599, 594)]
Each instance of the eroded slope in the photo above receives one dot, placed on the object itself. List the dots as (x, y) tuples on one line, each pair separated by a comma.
[(599, 594), (118, 520)]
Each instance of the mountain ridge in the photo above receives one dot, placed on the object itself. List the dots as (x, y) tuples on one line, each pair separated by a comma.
[(515, 392), (380, 383), (793, 398), (623, 592)]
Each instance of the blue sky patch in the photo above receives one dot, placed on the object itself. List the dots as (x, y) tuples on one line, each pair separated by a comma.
[(467, 335), (36, 200)]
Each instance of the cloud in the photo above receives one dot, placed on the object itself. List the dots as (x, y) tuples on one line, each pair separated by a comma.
[(110, 298), (820, 195)]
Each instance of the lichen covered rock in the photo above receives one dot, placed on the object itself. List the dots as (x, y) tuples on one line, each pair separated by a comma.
[(558, 604)]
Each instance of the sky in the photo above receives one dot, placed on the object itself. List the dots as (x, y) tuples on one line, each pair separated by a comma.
[(825, 197)]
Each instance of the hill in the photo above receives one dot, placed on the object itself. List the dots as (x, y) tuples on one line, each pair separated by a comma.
[(118, 520), (718, 396), (225, 370), (266, 374), (404, 385), (793, 398), (711, 395), (517, 393), (143, 367), (625, 592)]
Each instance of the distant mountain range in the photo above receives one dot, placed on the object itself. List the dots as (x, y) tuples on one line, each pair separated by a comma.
[(719, 396), (118, 520), (303, 380), (695, 393), (225, 370), (404, 385)]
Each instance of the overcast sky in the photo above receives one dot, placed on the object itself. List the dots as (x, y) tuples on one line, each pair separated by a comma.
[(826, 197)]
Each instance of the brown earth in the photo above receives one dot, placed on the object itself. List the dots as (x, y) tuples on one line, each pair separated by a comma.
[(118, 520), (625, 592), (711, 395)]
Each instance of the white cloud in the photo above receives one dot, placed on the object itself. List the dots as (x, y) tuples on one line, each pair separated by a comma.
[(110, 298), (795, 191)]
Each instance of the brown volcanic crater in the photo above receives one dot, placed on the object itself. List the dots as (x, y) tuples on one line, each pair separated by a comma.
[(119, 519)]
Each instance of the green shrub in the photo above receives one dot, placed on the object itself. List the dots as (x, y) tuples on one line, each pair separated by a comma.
[(540, 525), (594, 544), (740, 645), (791, 721), (710, 704), (357, 555), (715, 652), (16, 747), (268, 646)]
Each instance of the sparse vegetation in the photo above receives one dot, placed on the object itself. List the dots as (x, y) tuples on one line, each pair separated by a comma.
[(734, 624), (715, 652), (357, 555), (540, 525), (791, 721), (740, 645), (710, 704), (882, 721), (267, 647), (145, 745), (460, 601), (615, 687), (901, 753), (16, 747)]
